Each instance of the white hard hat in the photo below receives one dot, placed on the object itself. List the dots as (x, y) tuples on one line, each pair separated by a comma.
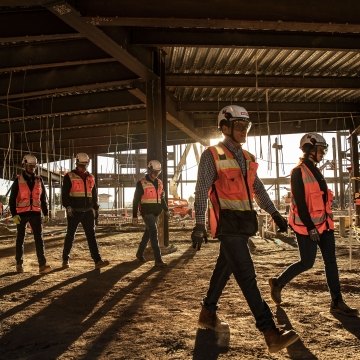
[(313, 139), (231, 113), (82, 159), (154, 165), (29, 160)]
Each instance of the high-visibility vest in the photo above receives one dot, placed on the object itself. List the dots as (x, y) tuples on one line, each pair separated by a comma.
[(151, 196), (27, 200), (321, 214), (78, 188), (229, 190)]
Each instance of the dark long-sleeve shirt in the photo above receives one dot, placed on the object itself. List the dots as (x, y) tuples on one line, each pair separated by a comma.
[(148, 208), (78, 203), (207, 175), (30, 180), (298, 191)]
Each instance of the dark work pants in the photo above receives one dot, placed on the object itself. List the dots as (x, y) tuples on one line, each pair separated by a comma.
[(234, 258), (87, 220), (151, 234), (35, 222), (308, 250)]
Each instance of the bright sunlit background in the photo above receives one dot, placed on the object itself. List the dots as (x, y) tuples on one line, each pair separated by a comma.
[(261, 147)]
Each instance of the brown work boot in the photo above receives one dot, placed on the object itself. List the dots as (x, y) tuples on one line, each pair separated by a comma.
[(44, 269), (209, 320), (275, 290), (19, 268), (343, 309), (101, 263), (279, 339)]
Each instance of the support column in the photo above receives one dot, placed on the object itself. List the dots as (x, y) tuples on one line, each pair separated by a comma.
[(154, 117), (355, 171), (341, 175)]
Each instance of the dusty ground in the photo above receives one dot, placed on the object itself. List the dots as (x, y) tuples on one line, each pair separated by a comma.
[(134, 311)]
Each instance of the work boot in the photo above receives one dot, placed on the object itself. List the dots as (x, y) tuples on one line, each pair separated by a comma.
[(19, 268), (208, 319), (160, 264), (141, 258), (343, 309), (277, 339), (44, 269), (275, 290), (101, 263), (65, 264)]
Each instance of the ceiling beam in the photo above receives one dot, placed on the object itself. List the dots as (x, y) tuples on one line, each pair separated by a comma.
[(223, 23), (254, 106), (72, 17), (252, 81), (243, 38)]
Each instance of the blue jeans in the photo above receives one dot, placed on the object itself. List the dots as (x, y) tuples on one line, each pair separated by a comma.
[(151, 234), (35, 222), (87, 220), (234, 258), (307, 250)]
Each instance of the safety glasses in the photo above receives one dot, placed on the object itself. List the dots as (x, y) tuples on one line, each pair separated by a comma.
[(241, 125)]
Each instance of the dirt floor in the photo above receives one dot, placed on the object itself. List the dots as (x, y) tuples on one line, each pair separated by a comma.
[(135, 311)]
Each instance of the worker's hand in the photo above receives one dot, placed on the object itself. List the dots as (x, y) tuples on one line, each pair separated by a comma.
[(45, 219), (198, 235), (314, 235), (280, 221), (69, 211), (96, 213), (16, 219), (135, 221)]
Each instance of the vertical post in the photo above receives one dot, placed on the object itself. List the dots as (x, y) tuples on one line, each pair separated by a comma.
[(95, 173), (277, 147), (341, 175), (335, 170), (164, 141), (355, 172), (154, 114)]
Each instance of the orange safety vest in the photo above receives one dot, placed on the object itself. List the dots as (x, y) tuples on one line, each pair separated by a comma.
[(321, 214), (229, 190), (27, 200), (78, 188), (151, 196)]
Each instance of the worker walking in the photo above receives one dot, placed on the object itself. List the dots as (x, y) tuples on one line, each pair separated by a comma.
[(149, 198), (227, 174), (27, 201), (79, 197), (311, 219)]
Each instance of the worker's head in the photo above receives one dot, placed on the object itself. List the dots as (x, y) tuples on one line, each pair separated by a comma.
[(234, 122), (29, 163), (154, 168), (313, 146), (82, 161)]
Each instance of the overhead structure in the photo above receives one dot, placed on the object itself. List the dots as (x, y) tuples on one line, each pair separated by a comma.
[(78, 75)]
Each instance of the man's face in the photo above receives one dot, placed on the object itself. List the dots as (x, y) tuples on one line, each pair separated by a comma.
[(154, 174), (81, 167), (30, 168), (241, 129)]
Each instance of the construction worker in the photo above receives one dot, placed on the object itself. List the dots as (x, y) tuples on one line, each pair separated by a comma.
[(311, 219), (79, 197), (27, 201), (227, 175), (149, 198)]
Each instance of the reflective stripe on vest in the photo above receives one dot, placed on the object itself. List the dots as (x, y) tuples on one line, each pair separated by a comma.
[(229, 190), (27, 200), (151, 196), (321, 214), (78, 187)]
